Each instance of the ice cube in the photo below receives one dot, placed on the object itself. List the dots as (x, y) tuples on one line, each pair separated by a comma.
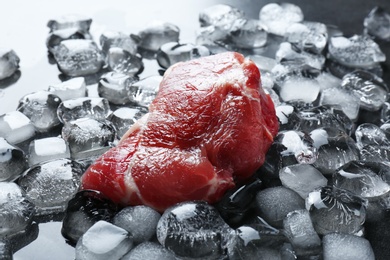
[(277, 18), (273, 204), (300, 231), (15, 127), (9, 63), (139, 221), (50, 185), (336, 210), (357, 51), (377, 23), (122, 61), (327, 80), (293, 69), (263, 63), (41, 108), (338, 246), (247, 34), (124, 117), (346, 99), (103, 241), (174, 52), (302, 178), (149, 250), (283, 112), (221, 16), (70, 21), (113, 86), (112, 38), (77, 57), (335, 148), (289, 52), (46, 149), (84, 107), (308, 36), (144, 91), (370, 88), (13, 161), (16, 211), (370, 134), (298, 88), (86, 208), (56, 37), (88, 137), (70, 89), (156, 33), (339, 70), (211, 37), (193, 230)]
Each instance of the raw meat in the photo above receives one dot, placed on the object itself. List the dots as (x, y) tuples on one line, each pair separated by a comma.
[(209, 127)]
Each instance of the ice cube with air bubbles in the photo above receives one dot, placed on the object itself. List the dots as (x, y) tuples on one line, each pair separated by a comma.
[(347, 247), (113, 86), (46, 149), (273, 204), (111, 38), (370, 88), (247, 34), (377, 23), (149, 250), (193, 230), (78, 57), (144, 91), (299, 229), (41, 108), (277, 18), (15, 127), (302, 178), (84, 107), (336, 210), (335, 148), (174, 52), (17, 211), (50, 185), (69, 89), (157, 33), (122, 61), (86, 208), (139, 221), (103, 241), (9, 63), (308, 36), (13, 161), (123, 118), (88, 137), (70, 21), (56, 37), (357, 51)]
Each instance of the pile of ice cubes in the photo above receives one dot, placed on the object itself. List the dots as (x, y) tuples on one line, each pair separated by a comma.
[(322, 193)]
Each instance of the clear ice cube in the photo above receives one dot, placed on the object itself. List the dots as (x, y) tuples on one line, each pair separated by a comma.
[(41, 108), (13, 161), (15, 127), (9, 63), (78, 57), (156, 33), (144, 91), (45, 149), (277, 18), (123, 118), (56, 37), (122, 61), (289, 52), (368, 134), (221, 16), (149, 250), (139, 221), (346, 99), (377, 23), (113, 86), (103, 241), (84, 107), (308, 36), (50, 185), (247, 34), (112, 38), (70, 21)]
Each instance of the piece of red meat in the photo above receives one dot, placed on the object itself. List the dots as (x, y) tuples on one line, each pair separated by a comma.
[(209, 127)]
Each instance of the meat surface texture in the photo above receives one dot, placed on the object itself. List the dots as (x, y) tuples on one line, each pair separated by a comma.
[(209, 127)]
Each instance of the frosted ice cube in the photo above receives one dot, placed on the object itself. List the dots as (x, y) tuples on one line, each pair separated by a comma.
[(46, 149), (124, 117), (41, 108), (308, 36), (113, 86), (78, 57), (15, 127), (377, 23), (69, 89), (122, 61), (247, 34), (9, 62), (56, 37), (103, 241), (149, 250), (112, 38), (70, 21), (220, 15), (277, 18), (50, 185), (144, 91), (346, 99), (288, 52), (156, 33), (13, 161), (298, 88)]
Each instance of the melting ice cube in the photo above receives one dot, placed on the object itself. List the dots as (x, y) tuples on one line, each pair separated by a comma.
[(112, 38), (122, 61), (144, 91), (15, 127), (113, 86), (308, 36), (46, 149), (124, 117), (69, 89), (56, 37), (247, 34)]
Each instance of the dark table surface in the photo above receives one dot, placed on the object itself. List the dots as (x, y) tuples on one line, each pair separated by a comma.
[(23, 28)]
